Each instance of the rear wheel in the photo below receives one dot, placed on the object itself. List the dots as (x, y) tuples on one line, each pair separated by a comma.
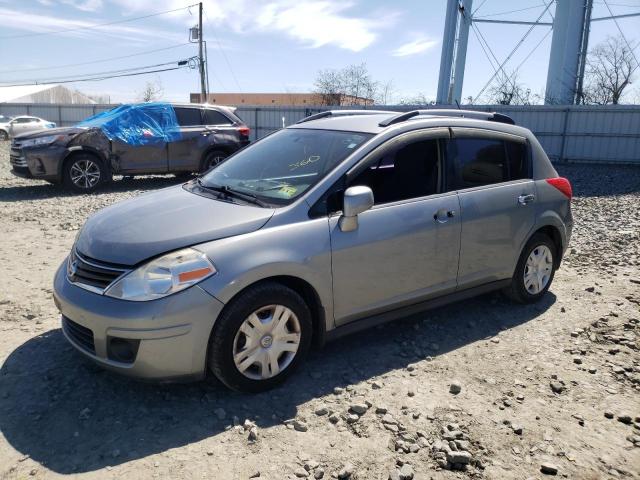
[(83, 173), (212, 159), (535, 270), (260, 338)]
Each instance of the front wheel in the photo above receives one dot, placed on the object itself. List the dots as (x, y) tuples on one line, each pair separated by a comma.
[(84, 173), (535, 270), (4, 135), (260, 338)]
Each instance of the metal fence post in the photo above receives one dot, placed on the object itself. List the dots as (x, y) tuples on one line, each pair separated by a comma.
[(564, 134), (60, 115), (255, 122)]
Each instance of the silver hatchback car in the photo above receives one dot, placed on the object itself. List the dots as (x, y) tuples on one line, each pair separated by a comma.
[(345, 220)]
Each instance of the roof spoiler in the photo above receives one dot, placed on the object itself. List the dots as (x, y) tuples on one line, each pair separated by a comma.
[(342, 113), (475, 114)]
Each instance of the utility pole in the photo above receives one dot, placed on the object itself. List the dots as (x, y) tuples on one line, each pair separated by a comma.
[(203, 88)]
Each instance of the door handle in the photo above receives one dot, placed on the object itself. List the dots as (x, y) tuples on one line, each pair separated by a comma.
[(442, 215), (525, 199)]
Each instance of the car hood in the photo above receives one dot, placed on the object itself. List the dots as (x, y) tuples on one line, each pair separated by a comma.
[(155, 223), (51, 131)]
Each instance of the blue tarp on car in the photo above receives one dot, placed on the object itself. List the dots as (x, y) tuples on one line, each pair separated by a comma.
[(140, 124)]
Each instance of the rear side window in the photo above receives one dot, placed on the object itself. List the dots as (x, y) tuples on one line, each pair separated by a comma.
[(188, 117), (213, 117), (485, 161)]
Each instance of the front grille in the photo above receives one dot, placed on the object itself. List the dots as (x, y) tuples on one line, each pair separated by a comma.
[(15, 155), (82, 336), (94, 274)]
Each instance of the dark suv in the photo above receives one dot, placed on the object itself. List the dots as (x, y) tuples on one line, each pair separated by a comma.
[(134, 139)]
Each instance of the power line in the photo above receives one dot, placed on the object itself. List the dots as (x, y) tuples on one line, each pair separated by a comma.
[(226, 59), (513, 51), (95, 61), (97, 25), (479, 7), (97, 78), (623, 36), (109, 72), (512, 11)]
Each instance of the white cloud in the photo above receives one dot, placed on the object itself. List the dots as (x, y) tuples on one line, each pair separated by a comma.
[(35, 23), (313, 23), (413, 48), (84, 5)]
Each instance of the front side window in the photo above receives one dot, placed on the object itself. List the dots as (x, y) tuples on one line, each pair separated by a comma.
[(286, 164), (408, 171)]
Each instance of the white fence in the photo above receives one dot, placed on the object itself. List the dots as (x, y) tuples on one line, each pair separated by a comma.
[(607, 134)]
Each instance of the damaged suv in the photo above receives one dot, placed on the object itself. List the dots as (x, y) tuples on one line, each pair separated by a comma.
[(149, 138)]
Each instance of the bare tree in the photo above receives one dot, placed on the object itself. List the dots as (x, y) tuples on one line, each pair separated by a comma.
[(609, 71), (153, 91), (386, 93), (418, 99), (507, 90), (351, 85)]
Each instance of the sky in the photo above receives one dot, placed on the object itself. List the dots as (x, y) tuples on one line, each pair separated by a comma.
[(274, 45)]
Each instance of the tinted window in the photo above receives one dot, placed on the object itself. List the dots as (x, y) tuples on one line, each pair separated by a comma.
[(188, 117), (213, 117), (518, 164), (479, 161), (410, 171), (284, 165)]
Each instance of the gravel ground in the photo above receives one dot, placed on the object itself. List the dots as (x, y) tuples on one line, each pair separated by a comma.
[(552, 387)]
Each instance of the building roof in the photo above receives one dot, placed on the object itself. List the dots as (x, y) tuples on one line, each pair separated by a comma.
[(9, 94)]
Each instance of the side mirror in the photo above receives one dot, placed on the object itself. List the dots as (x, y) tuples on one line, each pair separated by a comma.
[(356, 200)]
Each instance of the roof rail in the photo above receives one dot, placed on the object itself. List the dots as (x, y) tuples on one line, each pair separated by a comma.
[(491, 116), (342, 113)]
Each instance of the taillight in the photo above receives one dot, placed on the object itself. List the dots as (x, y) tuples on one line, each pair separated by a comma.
[(561, 184), (244, 131)]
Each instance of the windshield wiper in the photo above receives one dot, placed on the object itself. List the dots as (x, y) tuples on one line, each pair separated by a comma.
[(231, 192)]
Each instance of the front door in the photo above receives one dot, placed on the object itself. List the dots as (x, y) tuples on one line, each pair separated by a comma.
[(492, 175), (405, 248)]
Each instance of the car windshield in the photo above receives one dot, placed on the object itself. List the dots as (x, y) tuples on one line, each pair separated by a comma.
[(284, 165)]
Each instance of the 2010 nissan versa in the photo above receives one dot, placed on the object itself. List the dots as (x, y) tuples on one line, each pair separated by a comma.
[(341, 221)]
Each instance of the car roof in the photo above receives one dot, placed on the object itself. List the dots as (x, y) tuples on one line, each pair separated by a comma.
[(371, 123)]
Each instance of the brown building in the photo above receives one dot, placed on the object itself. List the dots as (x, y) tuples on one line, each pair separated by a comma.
[(281, 99)]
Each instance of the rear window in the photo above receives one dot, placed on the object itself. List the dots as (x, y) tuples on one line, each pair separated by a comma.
[(188, 117), (213, 117), (485, 161)]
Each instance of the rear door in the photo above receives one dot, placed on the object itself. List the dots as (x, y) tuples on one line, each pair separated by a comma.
[(23, 125), (406, 247), (186, 152), (491, 172)]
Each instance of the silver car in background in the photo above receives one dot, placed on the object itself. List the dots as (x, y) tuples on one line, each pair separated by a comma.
[(342, 221), (24, 124)]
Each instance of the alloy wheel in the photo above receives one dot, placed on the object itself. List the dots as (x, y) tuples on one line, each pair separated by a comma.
[(85, 174), (538, 269), (267, 342)]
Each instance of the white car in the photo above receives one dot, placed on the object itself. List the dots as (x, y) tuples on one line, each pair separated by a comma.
[(23, 124), (4, 127)]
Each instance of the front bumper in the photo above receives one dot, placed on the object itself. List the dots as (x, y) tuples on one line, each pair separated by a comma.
[(173, 332), (39, 162)]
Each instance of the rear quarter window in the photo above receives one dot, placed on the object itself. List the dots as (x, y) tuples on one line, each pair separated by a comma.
[(486, 161)]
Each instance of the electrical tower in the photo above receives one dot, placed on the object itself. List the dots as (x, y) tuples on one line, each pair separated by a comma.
[(567, 59)]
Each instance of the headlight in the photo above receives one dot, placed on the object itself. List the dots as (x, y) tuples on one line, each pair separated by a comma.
[(47, 140), (163, 276)]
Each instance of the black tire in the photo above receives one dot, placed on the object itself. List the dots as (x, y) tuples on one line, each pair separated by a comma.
[(221, 343), (96, 173), (517, 291), (4, 135), (212, 159)]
